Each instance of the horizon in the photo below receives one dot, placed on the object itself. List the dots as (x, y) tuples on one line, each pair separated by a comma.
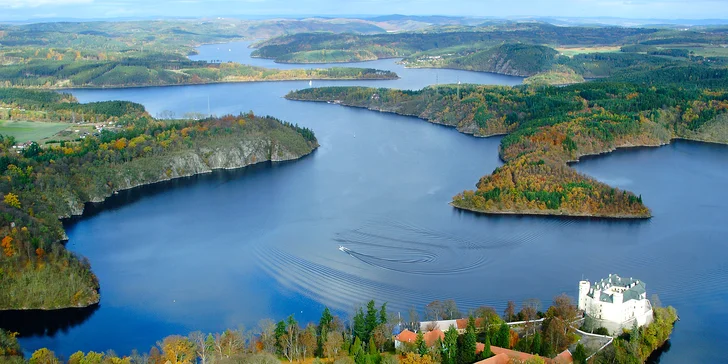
[(111, 10)]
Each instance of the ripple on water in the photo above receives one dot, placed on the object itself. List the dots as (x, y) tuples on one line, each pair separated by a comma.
[(385, 246)]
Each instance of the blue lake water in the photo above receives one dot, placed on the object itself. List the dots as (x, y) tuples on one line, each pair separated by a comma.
[(230, 248)]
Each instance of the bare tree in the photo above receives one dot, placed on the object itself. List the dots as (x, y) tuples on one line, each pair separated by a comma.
[(510, 313), (289, 341), (267, 335), (332, 346), (450, 310), (381, 335), (434, 310), (308, 340), (202, 346), (414, 319)]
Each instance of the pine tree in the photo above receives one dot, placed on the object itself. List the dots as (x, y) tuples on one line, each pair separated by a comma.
[(360, 325), (323, 330), (487, 353), (356, 348), (579, 354), (536, 344), (450, 348), (469, 343), (371, 320), (503, 337), (279, 332), (420, 344), (383, 314), (360, 357)]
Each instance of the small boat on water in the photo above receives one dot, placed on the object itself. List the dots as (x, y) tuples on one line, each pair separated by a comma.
[(310, 83)]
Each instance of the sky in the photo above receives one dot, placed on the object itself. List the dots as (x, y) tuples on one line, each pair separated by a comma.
[(16, 10)]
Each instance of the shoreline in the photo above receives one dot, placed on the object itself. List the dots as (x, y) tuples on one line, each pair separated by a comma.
[(117, 87), (539, 213)]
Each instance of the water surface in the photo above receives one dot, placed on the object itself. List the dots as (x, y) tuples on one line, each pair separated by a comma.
[(229, 248)]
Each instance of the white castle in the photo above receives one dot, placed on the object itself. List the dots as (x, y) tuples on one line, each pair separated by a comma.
[(616, 302)]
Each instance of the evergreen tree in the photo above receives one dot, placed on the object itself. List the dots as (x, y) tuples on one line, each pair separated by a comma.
[(420, 344), (487, 353), (503, 336), (450, 347), (371, 320), (323, 330), (360, 357), (279, 332), (356, 348), (372, 346), (579, 354), (360, 324), (536, 344), (383, 314), (469, 343)]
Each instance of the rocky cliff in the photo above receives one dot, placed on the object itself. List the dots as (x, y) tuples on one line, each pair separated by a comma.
[(228, 153)]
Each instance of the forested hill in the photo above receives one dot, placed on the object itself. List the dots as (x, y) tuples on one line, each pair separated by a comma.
[(39, 184), (508, 59), (314, 47), (549, 126)]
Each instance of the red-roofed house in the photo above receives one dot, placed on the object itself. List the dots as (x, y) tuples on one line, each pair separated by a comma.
[(432, 336), (405, 336), (410, 337)]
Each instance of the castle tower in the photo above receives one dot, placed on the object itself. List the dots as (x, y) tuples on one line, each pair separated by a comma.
[(584, 287)]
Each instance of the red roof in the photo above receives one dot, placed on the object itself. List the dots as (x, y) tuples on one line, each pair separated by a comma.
[(407, 336), (463, 323), (498, 359), (563, 358), (432, 336)]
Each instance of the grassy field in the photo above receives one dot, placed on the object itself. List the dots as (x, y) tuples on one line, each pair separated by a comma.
[(24, 131), (572, 51), (707, 51)]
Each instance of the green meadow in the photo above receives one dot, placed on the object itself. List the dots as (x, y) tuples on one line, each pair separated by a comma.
[(24, 131)]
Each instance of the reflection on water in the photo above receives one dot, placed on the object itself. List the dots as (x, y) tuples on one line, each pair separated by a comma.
[(29, 323)]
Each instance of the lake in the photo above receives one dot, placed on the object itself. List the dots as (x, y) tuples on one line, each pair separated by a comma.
[(229, 248)]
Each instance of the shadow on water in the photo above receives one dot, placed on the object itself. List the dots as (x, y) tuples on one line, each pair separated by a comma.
[(656, 355), (36, 323), (217, 177), (496, 217)]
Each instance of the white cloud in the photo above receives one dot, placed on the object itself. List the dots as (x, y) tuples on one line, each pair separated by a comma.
[(16, 4)]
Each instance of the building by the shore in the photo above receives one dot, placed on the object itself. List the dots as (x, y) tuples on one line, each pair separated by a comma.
[(615, 302)]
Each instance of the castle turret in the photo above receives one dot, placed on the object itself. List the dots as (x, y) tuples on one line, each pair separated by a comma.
[(584, 287)]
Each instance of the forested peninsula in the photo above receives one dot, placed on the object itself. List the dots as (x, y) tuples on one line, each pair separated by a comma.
[(549, 127), (162, 70), (39, 185)]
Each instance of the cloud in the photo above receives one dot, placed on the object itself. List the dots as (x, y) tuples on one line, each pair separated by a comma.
[(16, 4)]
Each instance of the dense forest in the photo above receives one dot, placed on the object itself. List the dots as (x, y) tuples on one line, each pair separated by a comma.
[(462, 41), (548, 127), (159, 70), (368, 337), (39, 184), (301, 47)]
